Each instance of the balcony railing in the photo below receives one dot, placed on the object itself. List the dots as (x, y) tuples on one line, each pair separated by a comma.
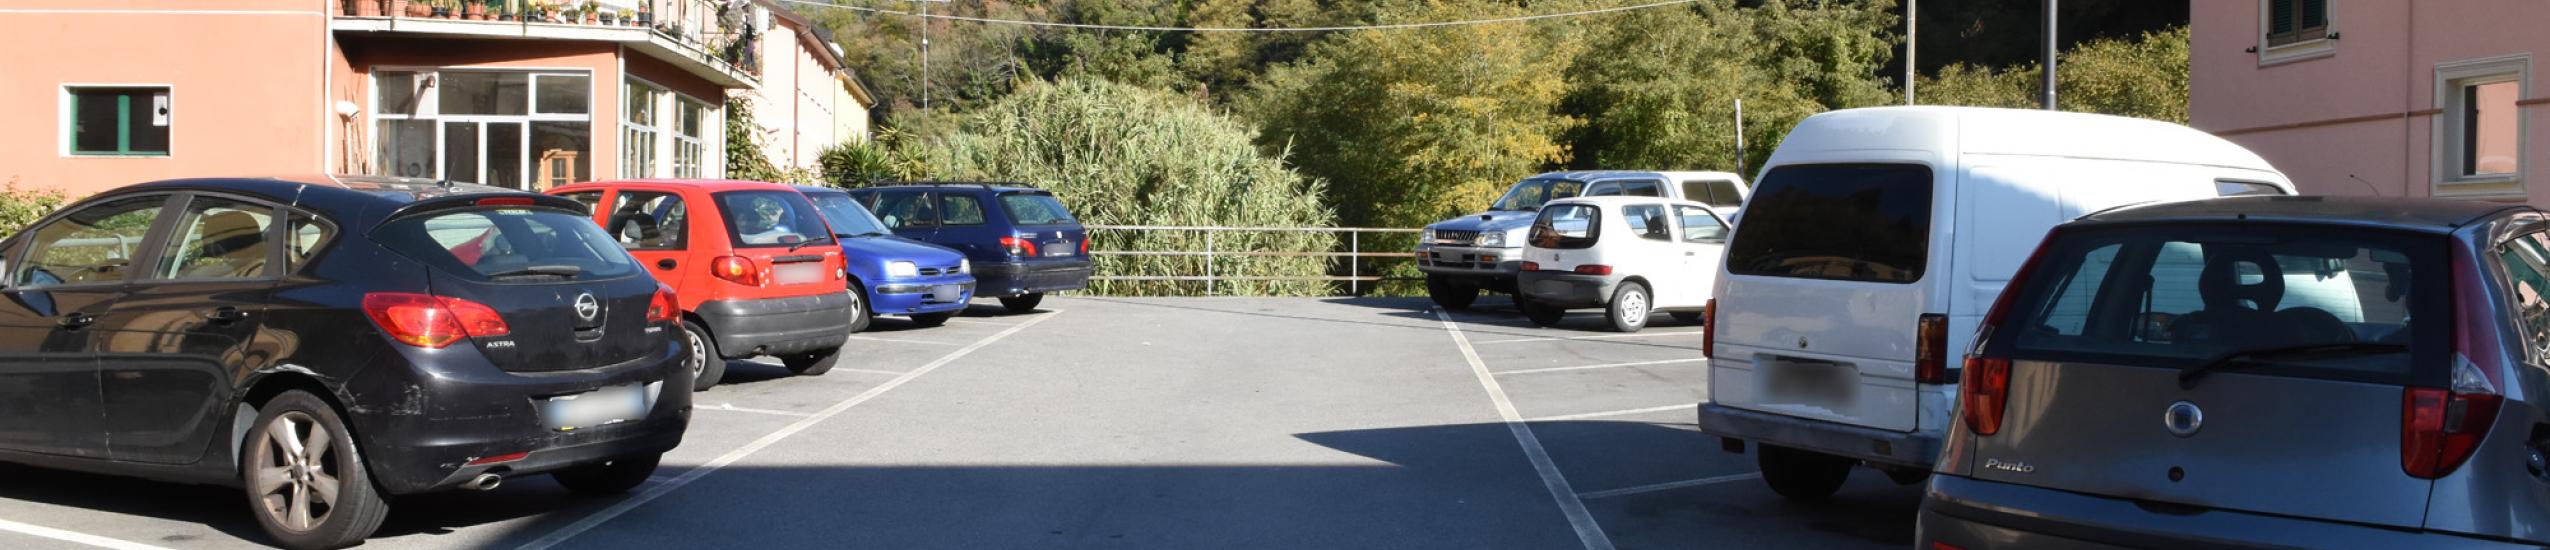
[(724, 30)]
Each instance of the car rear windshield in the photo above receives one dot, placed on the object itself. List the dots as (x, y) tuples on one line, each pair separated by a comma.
[(846, 216), (1035, 209), (2179, 295), (509, 244), (1568, 226), (1851, 222), (771, 218)]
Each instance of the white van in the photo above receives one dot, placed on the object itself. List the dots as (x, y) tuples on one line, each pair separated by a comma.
[(1873, 243)]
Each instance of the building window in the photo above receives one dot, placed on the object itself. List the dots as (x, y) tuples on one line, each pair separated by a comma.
[(2296, 21), (2479, 127), (637, 146), (118, 121), (690, 139), (520, 129)]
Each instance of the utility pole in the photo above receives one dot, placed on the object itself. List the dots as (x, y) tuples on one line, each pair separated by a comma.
[(1909, 30), (925, 55), (1739, 136), (2049, 55)]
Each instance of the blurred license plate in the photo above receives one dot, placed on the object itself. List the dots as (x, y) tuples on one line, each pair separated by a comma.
[(1811, 382), (797, 273), (1059, 248), (602, 407), (947, 293)]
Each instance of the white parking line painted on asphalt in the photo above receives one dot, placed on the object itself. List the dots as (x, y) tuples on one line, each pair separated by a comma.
[(730, 407), (74, 536), (1646, 334), (1602, 414), (1587, 532), (901, 341), (622, 507), (870, 371), (1668, 486), (1601, 366)]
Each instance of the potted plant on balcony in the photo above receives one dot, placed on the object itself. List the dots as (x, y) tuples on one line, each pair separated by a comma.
[(416, 8), (363, 8), (442, 9), (645, 15), (591, 10), (474, 10), (628, 17), (609, 17)]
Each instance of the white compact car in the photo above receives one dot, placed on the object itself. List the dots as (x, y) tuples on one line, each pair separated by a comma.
[(1631, 256)]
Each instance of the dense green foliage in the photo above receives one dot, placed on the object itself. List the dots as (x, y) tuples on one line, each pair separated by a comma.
[(20, 206), (2142, 77)]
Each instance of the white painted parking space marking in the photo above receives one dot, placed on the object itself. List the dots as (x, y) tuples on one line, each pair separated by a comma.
[(1587, 532), (901, 341), (1594, 337), (1601, 366), (870, 371), (561, 535), (730, 407), (963, 321), (74, 536), (1668, 486), (1582, 416)]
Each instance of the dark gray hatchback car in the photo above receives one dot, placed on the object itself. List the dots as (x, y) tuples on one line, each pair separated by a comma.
[(2313, 372)]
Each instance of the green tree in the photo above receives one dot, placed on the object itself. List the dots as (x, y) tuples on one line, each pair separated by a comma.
[(2144, 77), (1662, 95)]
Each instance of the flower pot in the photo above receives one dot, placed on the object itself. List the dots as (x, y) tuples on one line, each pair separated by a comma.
[(363, 8), (475, 12), (414, 9), (443, 12)]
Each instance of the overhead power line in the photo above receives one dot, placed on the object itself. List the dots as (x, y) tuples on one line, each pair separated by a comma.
[(1398, 26)]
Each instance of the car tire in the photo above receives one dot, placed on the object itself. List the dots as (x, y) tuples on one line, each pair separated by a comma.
[(812, 364), (1023, 303), (1629, 307), (1450, 294), (932, 319), (281, 488), (1692, 317), (612, 477), (1540, 314), (859, 314), (707, 367), (1802, 475)]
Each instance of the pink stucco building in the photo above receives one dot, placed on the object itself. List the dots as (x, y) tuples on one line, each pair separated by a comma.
[(517, 93), (2389, 97)]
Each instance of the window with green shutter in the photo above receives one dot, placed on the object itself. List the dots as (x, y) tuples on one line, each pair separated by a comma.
[(119, 121)]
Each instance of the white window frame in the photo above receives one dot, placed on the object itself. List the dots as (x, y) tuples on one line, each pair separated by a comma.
[(429, 107), (654, 129), (2444, 157), (2316, 48), (699, 164), (63, 116)]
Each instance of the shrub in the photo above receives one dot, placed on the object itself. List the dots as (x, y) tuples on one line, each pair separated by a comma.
[(20, 206)]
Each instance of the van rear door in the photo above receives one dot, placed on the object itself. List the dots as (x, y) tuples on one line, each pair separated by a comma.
[(1818, 316)]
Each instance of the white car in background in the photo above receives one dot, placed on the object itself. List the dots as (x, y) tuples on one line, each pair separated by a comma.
[(1631, 256)]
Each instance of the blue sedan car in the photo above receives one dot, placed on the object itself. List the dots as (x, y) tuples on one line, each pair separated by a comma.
[(891, 275)]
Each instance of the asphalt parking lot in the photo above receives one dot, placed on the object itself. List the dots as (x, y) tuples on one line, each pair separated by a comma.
[(1131, 423)]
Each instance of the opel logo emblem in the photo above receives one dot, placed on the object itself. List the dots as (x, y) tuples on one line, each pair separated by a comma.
[(2183, 419), (587, 307)]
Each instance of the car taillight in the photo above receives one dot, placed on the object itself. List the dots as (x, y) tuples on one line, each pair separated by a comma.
[(1084, 245), (1594, 269), (663, 307), (736, 269), (1709, 329), (429, 321), (1531, 266), (1019, 247), (2439, 429), (1930, 350), (1983, 392)]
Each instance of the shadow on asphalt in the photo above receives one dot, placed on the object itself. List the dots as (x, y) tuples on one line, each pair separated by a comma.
[(1449, 486)]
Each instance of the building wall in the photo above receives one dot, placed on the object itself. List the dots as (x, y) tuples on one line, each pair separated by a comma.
[(801, 107), (248, 86), (2360, 120)]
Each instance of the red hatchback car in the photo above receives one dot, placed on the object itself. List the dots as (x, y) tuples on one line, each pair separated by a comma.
[(753, 265)]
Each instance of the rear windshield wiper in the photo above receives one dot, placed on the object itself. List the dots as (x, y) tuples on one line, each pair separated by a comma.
[(567, 271), (2187, 379)]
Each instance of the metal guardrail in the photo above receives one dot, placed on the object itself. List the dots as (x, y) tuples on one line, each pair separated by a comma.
[(1354, 255)]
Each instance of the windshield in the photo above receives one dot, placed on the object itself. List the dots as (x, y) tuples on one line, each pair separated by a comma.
[(492, 243), (771, 218), (2181, 296), (846, 216), (1531, 194)]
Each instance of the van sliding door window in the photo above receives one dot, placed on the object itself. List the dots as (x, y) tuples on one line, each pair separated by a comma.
[(1848, 222)]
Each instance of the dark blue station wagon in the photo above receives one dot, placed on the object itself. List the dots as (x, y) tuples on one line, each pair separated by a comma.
[(1021, 240)]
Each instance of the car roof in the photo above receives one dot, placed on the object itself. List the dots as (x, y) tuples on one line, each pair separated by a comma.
[(1610, 201), (1591, 175), (702, 184), (818, 189), (2030, 132), (2413, 214), (321, 190), (993, 186)]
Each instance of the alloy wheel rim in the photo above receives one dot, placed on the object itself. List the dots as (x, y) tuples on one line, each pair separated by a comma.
[(296, 480), (1634, 306), (699, 354), (858, 307)]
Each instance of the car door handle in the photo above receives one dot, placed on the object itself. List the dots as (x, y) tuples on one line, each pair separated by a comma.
[(665, 264), (226, 315), (75, 321)]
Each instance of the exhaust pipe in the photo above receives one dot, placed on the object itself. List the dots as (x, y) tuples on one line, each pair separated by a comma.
[(484, 482)]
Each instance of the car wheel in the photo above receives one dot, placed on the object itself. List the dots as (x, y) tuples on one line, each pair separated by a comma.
[(1540, 313), (932, 319), (616, 476), (859, 314), (1802, 475), (305, 478), (1628, 309), (707, 367), (812, 364), (1692, 317), (1023, 303), (1450, 294)]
